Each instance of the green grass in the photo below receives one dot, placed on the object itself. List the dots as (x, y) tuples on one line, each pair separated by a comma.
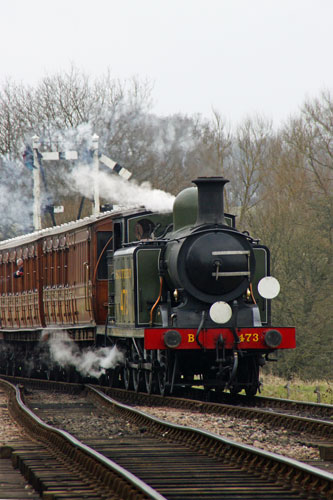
[(297, 389)]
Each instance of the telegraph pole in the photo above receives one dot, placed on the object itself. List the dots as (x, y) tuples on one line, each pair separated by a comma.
[(95, 139), (36, 173)]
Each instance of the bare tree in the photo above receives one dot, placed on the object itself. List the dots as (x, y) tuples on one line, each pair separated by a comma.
[(250, 163), (312, 136)]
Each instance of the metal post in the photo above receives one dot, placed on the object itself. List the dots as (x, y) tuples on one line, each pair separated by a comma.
[(317, 391), (287, 386), (37, 220), (95, 139)]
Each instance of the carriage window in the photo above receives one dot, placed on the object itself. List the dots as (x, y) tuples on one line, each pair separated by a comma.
[(103, 237)]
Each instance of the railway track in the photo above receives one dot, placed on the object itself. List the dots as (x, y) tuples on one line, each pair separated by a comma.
[(180, 463), (289, 414), (314, 410), (58, 466), (289, 418), (197, 398)]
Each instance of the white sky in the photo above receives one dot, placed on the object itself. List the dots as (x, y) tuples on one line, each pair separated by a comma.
[(241, 57)]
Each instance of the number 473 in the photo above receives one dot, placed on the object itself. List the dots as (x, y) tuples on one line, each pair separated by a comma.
[(249, 337)]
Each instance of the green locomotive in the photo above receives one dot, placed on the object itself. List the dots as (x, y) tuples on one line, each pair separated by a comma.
[(184, 301)]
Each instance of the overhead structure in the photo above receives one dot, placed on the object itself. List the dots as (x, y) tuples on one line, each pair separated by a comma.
[(97, 157)]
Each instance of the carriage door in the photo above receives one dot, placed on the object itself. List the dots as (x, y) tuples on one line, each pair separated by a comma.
[(104, 243)]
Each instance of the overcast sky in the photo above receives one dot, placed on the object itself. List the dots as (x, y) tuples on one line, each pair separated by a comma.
[(240, 57)]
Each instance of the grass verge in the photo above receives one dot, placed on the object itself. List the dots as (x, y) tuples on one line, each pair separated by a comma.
[(317, 391)]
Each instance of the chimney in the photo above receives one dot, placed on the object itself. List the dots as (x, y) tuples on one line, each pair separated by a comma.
[(210, 200)]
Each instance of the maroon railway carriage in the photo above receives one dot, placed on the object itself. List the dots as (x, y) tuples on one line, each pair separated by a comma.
[(64, 284)]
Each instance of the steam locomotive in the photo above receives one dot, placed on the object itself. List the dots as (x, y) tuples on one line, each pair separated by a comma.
[(184, 296)]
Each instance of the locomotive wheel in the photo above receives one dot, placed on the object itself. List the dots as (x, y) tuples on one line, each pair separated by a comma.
[(150, 376), (251, 389), (126, 375), (162, 372), (235, 389), (136, 377), (136, 373), (112, 377)]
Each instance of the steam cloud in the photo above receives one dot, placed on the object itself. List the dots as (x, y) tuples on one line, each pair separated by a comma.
[(15, 198), (93, 363), (128, 194), (114, 189)]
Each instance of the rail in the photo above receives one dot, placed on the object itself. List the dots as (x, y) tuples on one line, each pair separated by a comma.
[(114, 477), (289, 470)]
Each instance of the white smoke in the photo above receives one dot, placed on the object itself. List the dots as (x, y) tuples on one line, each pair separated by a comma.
[(78, 138), (128, 194), (113, 188), (15, 198), (93, 363)]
